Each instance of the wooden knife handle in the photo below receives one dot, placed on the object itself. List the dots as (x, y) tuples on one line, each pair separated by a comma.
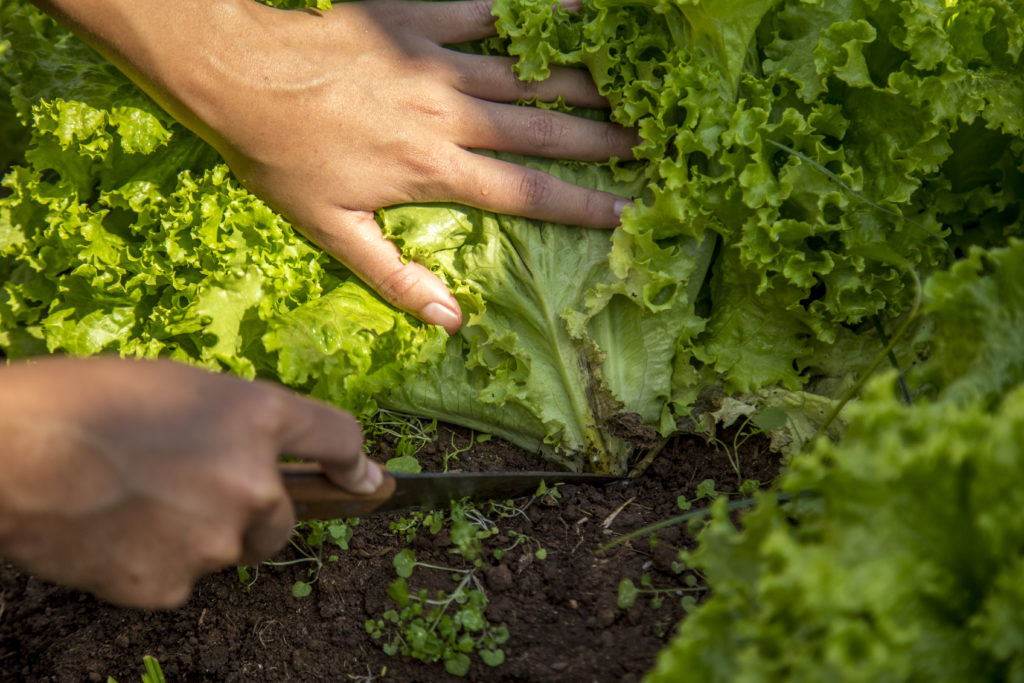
[(316, 497)]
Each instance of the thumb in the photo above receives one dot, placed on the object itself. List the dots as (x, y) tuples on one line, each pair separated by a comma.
[(355, 239)]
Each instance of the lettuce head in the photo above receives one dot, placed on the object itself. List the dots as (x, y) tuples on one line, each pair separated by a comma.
[(802, 165)]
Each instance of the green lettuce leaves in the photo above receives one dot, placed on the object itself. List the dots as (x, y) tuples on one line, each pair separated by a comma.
[(802, 165), (123, 233), (896, 553)]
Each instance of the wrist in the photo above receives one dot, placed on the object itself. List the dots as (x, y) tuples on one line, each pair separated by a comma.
[(177, 51)]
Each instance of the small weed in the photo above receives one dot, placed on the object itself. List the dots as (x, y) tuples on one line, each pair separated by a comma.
[(368, 677), (448, 627), (409, 433), (468, 529), (754, 423), (629, 592), (706, 489), (468, 526), (153, 672), (312, 539), (456, 451), (248, 575), (407, 526), (518, 539)]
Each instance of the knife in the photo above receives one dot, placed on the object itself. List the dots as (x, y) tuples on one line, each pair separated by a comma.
[(316, 497)]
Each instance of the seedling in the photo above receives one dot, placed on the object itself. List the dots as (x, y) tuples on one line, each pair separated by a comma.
[(410, 434), (405, 464), (629, 592), (318, 536), (518, 539), (154, 674), (456, 451), (467, 528), (706, 489), (447, 627)]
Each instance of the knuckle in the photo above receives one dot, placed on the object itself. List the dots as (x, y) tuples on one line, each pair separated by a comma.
[(480, 13), (526, 90), (171, 596), (593, 206), (399, 286), (398, 16), (432, 106), (544, 131), (140, 584), (257, 493), (534, 189), (620, 139), (424, 167), (217, 549), (266, 410)]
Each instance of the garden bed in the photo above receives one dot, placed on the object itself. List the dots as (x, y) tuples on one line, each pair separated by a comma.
[(562, 612)]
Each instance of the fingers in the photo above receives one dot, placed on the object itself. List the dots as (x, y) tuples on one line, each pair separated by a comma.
[(507, 188), (321, 432), (268, 532), (492, 78), (551, 134), (455, 22), (464, 20), (355, 239)]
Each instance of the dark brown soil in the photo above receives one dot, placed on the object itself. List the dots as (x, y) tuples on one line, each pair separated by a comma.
[(561, 611)]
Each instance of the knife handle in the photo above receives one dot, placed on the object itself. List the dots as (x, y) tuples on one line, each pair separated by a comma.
[(317, 497)]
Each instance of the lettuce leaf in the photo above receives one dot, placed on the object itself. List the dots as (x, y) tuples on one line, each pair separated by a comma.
[(802, 164), (896, 554), (123, 233)]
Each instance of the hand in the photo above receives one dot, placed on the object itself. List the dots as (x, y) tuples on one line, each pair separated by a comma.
[(130, 479), (346, 111), (331, 115)]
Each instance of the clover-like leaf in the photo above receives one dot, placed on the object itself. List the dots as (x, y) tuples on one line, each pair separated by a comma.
[(404, 562), (627, 594)]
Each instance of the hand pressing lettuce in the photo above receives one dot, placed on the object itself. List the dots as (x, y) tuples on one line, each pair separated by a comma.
[(153, 473), (801, 167), (331, 114)]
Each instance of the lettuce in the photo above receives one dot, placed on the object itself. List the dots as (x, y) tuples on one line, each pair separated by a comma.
[(802, 165), (906, 565), (898, 555)]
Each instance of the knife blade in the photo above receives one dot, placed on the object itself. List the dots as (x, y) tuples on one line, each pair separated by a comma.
[(316, 497)]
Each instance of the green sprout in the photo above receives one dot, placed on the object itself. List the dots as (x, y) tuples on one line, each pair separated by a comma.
[(447, 627)]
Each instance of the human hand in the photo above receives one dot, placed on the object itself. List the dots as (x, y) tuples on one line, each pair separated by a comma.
[(331, 115), (130, 479), (361, 107)]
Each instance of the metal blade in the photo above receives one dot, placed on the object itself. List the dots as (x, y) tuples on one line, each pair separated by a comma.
[(431, 489), (315, 497)]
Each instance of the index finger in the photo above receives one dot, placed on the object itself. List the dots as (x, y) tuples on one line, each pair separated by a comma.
[(318, 431)]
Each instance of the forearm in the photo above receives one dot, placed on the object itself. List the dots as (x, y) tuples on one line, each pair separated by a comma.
[(180, 52)]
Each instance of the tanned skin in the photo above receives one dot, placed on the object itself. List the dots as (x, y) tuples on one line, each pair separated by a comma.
[(131, 479)]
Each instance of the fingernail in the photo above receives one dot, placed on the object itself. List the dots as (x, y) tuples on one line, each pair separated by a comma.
[(571, 5), (620, 205), (371, 482), (439, 314)]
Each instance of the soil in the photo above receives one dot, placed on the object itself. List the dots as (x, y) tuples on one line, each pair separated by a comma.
[(561, 611)]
